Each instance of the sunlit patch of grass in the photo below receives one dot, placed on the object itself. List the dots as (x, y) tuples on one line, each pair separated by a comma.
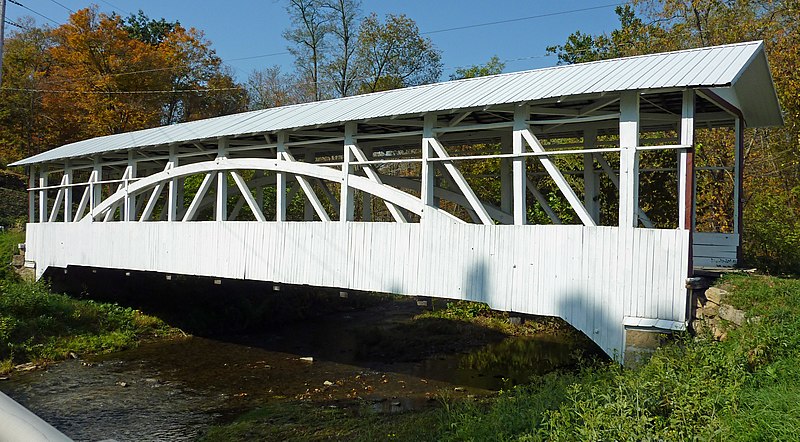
[(37, 325)]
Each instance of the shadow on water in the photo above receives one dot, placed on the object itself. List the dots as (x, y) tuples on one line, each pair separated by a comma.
[(368, 330), (253, 345)]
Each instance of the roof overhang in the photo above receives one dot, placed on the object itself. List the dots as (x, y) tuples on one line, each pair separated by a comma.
[(738, 74)]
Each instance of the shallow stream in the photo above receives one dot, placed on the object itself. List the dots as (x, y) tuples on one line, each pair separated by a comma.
[(175, 390)]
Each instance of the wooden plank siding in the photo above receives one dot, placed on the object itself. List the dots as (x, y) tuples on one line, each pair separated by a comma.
[(596, 278), (715, 250)]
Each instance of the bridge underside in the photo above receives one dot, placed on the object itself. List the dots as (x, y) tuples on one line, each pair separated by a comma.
[(574, 272)]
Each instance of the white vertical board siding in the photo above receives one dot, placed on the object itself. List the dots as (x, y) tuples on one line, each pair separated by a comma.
[(593, 277)]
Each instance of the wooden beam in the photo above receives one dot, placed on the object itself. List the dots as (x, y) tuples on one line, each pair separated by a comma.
[(449, 195), (427, 175), (369, 171), (346, 211), (308, 190), (542, 201), (248, 196), (68, 192), (366, 199), (519, 164), (59, 199), (629, 159), (82, 204), (130, 201), (308, 209), (151, 203), (280, 180), (96, 196), (615, 181), (686, 162), (738, 181), (43, 195), (506, 177), (198, 197), (559, 179), (591, 182), (461, 182), (31, 194), (172, 189)]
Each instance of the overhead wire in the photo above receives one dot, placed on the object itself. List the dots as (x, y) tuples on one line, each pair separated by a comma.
[(15, 2), (531, 17), (62, 5), (471, 26)]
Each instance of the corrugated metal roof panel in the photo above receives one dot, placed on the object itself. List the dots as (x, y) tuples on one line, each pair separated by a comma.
[(702, 67)]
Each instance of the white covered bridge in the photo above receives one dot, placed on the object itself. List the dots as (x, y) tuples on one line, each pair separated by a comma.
[(520, 190)]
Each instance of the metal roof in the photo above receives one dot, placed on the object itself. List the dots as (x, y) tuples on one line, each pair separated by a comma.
[(740, 71)]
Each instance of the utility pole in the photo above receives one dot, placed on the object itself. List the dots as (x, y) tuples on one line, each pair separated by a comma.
[(2, 35)]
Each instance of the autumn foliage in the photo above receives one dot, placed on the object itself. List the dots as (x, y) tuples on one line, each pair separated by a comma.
[(99, 74)]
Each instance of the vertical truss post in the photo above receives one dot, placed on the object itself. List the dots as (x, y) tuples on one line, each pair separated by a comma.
[(280, 180), (686, 163), (257, 175), (629, 159), (68, 173), (31, 194), (172, 190), (591, 182), (42, 194), (130, 200), (506, 179), (95, 189), (737, 182), (366, 199), (519, 164), (346, 198), (308, 208), (222, 183), (427, 172)]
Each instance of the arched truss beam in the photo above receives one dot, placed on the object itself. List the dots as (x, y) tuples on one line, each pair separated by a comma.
[(382, 191)]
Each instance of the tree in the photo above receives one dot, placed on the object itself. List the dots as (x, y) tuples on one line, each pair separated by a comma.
[(307, 37), (340, 65), (102, 74), (393, 54), (492, 67), (25, 64), (270, 87), (145, 29)]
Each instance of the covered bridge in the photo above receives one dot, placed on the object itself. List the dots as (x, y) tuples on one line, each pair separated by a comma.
[(522, 190)]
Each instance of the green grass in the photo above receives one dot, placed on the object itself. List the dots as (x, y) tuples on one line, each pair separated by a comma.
[(307, 422), (480, 314), (37, 325), (8, 246), (745, 388)]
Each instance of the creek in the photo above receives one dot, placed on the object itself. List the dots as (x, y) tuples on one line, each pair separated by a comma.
[(366, 358)]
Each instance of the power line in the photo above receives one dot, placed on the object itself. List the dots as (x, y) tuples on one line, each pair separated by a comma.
[(31, 10), (170, 91), (62, 5), (17, 25), (260, 56), (512, 20), (116, 7)]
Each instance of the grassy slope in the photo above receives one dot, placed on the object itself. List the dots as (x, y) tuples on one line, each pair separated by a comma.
[(745, 388), (37, 325)]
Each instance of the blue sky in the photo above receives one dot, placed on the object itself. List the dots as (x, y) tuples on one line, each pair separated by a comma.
[(241, 29)]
